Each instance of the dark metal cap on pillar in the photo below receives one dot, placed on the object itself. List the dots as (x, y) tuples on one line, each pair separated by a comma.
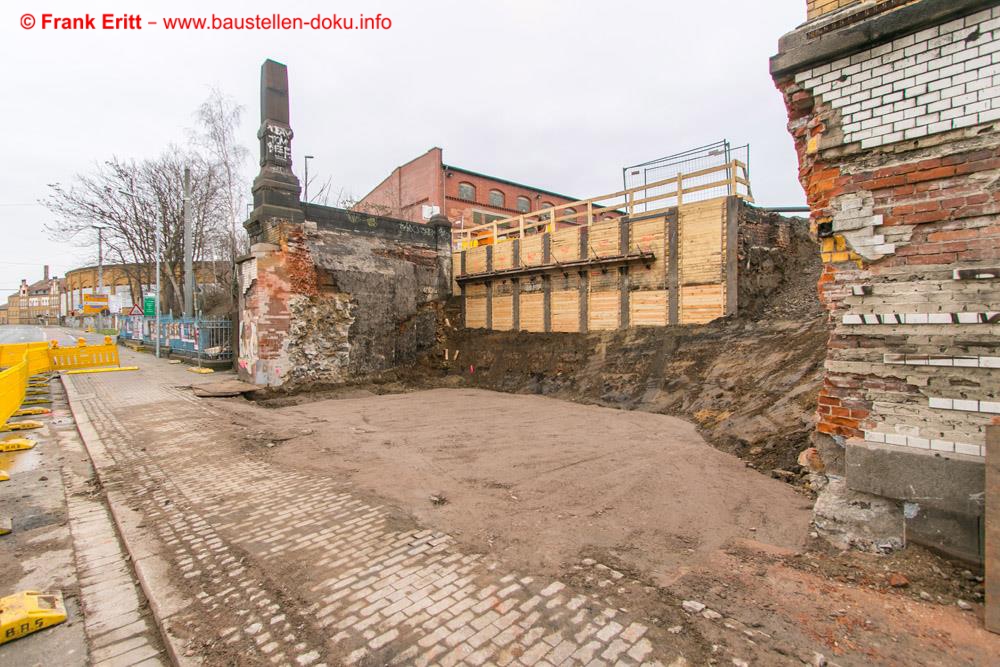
[(276, 189)]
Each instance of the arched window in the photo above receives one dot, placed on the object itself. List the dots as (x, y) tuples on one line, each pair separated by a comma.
[(496, 198), (523, 204), (467, 191), (567, 215), (548, 214)]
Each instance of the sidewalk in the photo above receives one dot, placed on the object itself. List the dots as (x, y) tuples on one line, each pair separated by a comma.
[(64, 540), (246, 561)]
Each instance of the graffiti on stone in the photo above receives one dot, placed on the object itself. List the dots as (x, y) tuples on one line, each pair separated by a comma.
[(278, 143)]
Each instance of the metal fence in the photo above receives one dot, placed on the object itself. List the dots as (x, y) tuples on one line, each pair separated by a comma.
[(207, 339), (699, 164)]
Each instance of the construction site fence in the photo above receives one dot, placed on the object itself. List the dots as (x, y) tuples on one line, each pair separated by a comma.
[(21, 361), (196, 337)]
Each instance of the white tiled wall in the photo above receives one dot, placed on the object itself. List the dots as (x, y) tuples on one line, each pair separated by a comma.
[(944, 77)]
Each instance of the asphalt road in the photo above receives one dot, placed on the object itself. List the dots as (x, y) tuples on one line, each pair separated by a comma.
[(20, 333), (26, 333)]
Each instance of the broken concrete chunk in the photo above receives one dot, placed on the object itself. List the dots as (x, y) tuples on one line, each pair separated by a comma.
[(692, 606)]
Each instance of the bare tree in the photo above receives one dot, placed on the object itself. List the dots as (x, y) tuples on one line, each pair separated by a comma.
[(218, 124), (131, 199)]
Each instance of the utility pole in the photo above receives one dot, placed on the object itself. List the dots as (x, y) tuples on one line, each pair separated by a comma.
[(188, 248), (100, 268), (163, 221), (306, 193)]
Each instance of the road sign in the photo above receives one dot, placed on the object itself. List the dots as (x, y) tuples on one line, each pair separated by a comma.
[(95, 304), (149, 306), (135, 310)]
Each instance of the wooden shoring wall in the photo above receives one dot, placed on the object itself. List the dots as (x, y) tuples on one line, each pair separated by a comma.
[(689, 280)]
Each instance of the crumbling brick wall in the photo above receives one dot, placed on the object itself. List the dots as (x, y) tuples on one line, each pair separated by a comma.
[(900, 160), (341, 297)]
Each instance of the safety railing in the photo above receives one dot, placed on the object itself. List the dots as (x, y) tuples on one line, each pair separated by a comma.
[(731, 178), (209, 339)]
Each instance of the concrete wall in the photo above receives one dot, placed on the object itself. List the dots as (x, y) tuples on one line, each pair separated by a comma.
[(893, 118), (340, 297)]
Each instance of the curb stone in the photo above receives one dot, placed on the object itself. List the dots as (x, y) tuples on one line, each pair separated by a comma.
[(101, 460)]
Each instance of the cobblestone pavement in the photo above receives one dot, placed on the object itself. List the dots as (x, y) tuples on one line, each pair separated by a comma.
[(285, 567)]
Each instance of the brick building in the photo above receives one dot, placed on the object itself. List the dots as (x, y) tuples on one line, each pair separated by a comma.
[(426, 185), (894, 109), (35, 303), (125, 284)]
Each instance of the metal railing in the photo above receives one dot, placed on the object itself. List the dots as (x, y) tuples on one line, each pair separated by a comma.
[(202, 339)]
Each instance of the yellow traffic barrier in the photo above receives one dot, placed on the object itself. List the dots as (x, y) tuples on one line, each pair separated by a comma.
[(36, 401), (30, 611), (13, 380), (30, 412), (16, 444), (4, 476), (33, 364), (26, 425), (83, 355)]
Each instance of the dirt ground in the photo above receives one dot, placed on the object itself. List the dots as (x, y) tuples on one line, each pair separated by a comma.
[(639, 509), (536, 480)]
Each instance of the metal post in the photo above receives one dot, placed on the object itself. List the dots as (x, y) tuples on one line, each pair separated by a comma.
[(100, 274), (163, 221), (306, 189), (188, 248)]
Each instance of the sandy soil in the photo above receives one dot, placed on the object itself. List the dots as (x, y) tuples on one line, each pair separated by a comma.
[(637, 509), (536, 481)]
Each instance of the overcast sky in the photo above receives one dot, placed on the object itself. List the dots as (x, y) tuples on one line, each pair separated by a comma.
[(559, 95)]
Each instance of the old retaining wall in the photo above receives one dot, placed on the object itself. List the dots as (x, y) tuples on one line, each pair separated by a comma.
[(341, 296), (894, 108)]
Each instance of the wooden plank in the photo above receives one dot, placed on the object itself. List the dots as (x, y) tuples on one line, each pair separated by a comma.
[(566, 310), (701, 304), (503, 256), (475, 260), (531, 251), (532, 314), (475, 312), (503, 312), (603, 310), (565, 245), (604, 239), (648, 308), (650, 235)]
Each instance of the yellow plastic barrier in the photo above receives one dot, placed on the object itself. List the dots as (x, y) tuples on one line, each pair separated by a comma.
[(22, 361), (83, 355), (13, 383)]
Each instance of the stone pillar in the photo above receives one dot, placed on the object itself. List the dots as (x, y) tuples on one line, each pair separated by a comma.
[(279, 267), (276, 189)]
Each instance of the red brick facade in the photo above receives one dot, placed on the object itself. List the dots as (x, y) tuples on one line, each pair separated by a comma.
[(428, 181)]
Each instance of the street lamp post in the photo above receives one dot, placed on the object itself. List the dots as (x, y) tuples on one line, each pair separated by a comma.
[(100, 227), (163, 222), (306, 193)]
